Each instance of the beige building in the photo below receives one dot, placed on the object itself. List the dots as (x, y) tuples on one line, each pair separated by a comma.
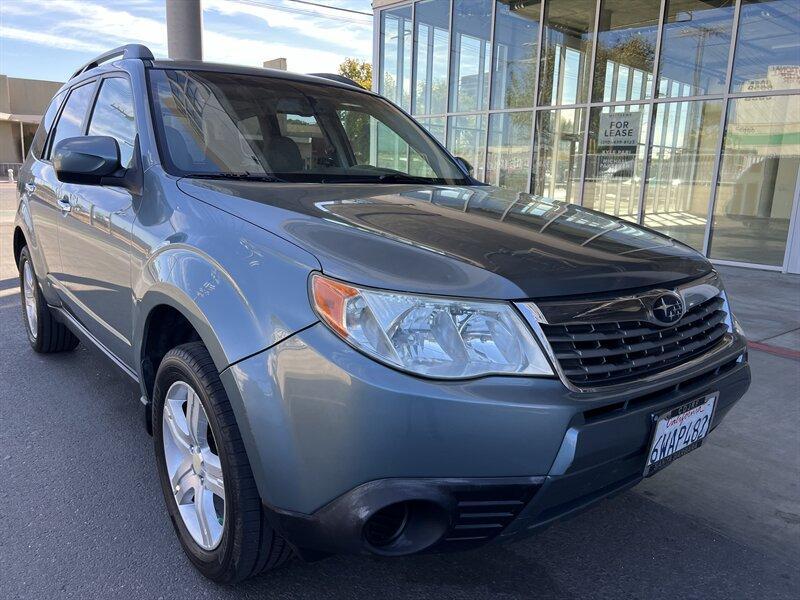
[(22, 103)]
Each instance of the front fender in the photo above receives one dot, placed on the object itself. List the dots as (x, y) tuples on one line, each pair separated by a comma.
[(238, 310), (242, 288)]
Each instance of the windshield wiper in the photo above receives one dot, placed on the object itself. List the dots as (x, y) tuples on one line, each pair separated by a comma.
[(384, 178), (401, 177), (245, 176)]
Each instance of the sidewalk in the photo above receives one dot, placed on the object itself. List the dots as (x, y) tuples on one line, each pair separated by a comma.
[(767, 305), (743, 482)]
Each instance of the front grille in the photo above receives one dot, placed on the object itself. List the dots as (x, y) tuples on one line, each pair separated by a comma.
[(599, 354)]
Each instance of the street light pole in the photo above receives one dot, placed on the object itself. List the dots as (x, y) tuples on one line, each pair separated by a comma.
[(185, 29)]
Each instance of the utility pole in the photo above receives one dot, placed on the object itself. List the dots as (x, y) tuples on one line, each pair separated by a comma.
[(185, 29)]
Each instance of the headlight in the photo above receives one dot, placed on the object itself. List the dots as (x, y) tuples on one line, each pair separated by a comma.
[(737, 327), (434, 337)]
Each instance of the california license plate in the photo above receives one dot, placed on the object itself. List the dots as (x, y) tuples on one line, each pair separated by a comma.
[(679, 431)]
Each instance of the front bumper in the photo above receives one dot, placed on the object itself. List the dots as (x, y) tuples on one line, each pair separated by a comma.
[(334, 437)]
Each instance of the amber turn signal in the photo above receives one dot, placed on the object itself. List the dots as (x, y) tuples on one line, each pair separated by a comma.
[(330, 301)]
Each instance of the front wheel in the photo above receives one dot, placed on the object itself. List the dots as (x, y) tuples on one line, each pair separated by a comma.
[(206, 478)]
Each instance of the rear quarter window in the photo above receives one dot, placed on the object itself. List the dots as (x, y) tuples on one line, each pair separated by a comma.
[(37, 145)]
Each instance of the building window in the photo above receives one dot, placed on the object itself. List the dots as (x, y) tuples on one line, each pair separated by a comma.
[(395, 82), (616, 157), (768, 49), (757, 180), (435, 126), (466, 138), (626, 48), (680, 176), (516, 36), (471, 56), (558, 153), (695, 47), (432, 41), (512, 86), (509, 151), (566, 52)]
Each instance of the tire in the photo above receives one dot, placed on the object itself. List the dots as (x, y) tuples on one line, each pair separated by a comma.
[(247, 544), (45, 334)]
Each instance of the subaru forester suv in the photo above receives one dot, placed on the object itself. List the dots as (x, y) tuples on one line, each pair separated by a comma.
[(343, 342)]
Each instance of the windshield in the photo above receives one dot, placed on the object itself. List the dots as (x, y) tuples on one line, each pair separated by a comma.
[(255, 127)]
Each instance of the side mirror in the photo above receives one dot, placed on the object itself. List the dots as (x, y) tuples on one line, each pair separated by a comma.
[(464, 164), (86, 159)]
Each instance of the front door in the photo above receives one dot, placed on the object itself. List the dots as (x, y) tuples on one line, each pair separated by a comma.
[(95, 233)]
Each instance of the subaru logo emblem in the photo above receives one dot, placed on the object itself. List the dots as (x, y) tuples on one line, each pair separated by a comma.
[(667, 309)]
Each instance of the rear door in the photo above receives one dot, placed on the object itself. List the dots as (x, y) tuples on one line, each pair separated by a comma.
[(95, 234), (41, 188)]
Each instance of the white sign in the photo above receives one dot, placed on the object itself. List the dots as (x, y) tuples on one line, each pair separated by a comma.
[(619, 129)]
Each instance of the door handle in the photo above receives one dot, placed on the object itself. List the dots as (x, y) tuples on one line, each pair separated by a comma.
[(64, 204), (30, 187)]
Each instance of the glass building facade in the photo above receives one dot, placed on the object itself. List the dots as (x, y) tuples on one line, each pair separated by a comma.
[(683, 115)]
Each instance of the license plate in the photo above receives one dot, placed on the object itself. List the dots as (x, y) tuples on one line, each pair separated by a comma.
[(679, 431)]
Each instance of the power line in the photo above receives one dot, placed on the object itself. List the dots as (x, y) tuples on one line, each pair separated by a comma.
[(350, 10), (309, 12)]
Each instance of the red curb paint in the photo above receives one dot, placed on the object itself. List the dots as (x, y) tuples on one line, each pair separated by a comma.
[(776, 350)]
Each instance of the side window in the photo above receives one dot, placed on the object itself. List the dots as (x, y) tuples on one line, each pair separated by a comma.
[(37, 145), (70, 123), (113, 116), (250, 128)]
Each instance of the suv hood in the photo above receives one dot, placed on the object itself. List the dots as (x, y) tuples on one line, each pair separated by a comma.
[(475, 241)]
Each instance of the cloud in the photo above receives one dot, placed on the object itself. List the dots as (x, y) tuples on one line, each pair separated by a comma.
[(309, 43), (353, 37), (90, 19), (219, 47), (54, 41)]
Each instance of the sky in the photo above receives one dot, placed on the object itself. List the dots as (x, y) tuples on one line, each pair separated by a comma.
[(49, 39)]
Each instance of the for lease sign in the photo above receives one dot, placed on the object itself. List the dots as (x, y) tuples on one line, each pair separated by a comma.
[(619, 129)]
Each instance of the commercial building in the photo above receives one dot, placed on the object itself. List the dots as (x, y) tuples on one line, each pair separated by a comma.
[(22, 103), (683, 115)]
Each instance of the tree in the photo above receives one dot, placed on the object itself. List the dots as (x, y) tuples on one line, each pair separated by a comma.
[(359, 71)]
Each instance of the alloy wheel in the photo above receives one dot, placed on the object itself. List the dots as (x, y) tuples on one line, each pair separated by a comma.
[(193, 465), (29, 295)]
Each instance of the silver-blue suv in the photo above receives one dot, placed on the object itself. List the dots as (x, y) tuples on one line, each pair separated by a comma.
[(343, 342)]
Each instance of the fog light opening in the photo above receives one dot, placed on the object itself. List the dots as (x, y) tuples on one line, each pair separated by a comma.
[(386, 525), (405, 527)]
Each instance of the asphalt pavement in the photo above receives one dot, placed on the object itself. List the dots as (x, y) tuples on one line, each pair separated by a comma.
[(82, 515)]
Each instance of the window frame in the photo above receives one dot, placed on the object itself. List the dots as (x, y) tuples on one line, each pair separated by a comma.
[(68, 89), (48, 145)]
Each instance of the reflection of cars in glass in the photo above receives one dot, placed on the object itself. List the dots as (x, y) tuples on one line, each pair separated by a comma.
[(620, 170), (343, 342), (754, 191)]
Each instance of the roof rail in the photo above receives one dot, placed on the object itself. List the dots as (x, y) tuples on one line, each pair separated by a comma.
[(339, 78), (128, 51)]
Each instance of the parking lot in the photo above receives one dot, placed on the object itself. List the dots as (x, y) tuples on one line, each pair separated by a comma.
[(82, 516)]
